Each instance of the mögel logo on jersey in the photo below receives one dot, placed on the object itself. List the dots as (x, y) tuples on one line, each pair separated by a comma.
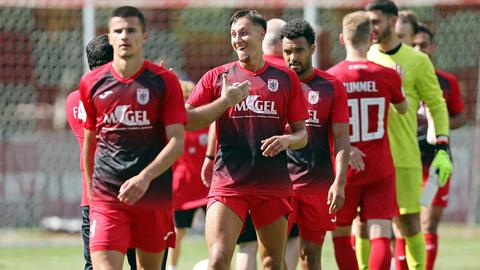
[(143, 96), (127, 117), (256, 105)]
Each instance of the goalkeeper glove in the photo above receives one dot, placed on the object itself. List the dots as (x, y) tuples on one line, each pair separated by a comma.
[(442, 162)]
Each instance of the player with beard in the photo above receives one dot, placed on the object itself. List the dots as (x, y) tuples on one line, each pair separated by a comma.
[(419, 84), (318, 187), (250, 171), (431, 215)]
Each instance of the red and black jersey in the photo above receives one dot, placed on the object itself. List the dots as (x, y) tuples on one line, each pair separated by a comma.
[(130, 116), (311, 167), (453, 98), (370, 90), (274, 100), (188, 189)]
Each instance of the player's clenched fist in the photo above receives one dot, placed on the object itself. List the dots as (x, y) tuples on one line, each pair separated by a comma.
[(133, 189), (236, 92)]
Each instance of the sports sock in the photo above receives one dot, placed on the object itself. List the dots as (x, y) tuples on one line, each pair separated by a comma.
[(362, 250), (344, 253), (431, 244), (400, 258), (380, 255), (415, 251)]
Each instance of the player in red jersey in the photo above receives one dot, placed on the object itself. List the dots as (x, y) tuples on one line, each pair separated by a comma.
[(272, 44), (371, 176), (189, 193), (250, 172), (135, 117), (318, 187), (431, 215), (99, 52)]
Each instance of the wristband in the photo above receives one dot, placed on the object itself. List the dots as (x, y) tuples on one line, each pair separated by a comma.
[(209, 157), (442, 143)]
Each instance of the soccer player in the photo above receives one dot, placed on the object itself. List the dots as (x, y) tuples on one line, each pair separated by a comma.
[(99, 52), (371, 176), (406, 26), (189, 193), (420, 84), (272, 44), (318, 188), (250, 172), (135, 116), (431, 215)]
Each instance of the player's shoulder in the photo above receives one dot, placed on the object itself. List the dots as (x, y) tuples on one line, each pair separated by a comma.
[(412, 54), (97, 73), (216, 71), (282, 69), (74, 95), (446, 75), (377, 68), (326, 76), (161, 71), (337, 68)]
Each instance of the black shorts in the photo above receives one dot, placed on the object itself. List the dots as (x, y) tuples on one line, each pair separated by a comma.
[(183, 218), (249, 234)]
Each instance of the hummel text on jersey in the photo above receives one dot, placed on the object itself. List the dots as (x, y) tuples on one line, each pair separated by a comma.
[(360, 86), (128, 118)]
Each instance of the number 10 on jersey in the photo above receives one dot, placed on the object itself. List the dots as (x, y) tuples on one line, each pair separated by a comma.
[(363, 113)]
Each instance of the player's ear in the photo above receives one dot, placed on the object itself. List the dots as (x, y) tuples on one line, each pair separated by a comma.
[(340, 38), (312, 49), (145, 37)]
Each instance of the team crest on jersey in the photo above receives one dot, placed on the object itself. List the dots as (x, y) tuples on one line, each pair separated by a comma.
[(313, 97), (272, 85), (143, 96), (203, 139)]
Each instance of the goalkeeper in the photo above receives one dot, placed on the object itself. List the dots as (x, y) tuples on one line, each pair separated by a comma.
[(419, 84)]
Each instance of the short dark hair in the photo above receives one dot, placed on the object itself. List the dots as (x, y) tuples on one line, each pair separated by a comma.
[(99, 51), (253, 15), (385, 6), (423, 28), (129, 11), (410, 17), (298, 28)]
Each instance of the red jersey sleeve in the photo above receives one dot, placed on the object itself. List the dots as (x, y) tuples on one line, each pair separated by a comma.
[(396, 95), (204, 91), (454, 102), (340, 107), (91, 120), (174, 111), (297, 108)]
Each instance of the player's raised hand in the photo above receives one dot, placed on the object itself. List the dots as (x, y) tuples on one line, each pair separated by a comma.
[(336, 197), (236, 92), (356, 159), (274, 145), (133, 189), (207, 172)]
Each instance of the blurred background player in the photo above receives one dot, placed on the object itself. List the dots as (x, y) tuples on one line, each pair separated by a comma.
[(431, 215), (99, 52), (406, 26), (250, 173), (419, 84), (272, 43), (371, 176), (318, 187), (189, 193), (136, 125)]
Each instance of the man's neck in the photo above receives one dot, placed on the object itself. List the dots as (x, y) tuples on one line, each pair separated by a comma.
[(127, 67), (306, 74), (390, 44), (255, 63), (356, 53)]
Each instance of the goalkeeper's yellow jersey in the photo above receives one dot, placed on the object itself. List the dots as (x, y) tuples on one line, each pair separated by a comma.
[(419, 83)]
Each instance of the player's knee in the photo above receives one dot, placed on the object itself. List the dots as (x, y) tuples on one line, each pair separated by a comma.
[(309, 256), (429, 225), (273, 263), (219, 261)]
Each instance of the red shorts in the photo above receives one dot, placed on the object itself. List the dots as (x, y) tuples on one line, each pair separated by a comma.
[(441, 198), (376, 200), (264, 210), (120, 228), (310, 212)]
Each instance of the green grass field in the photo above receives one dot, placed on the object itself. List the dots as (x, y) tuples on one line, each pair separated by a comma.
[(28, 250)]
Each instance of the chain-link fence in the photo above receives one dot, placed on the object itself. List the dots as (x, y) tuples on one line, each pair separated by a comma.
[(41, 51)]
